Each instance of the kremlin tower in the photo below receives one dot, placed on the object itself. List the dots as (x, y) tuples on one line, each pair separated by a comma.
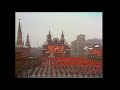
[(27, 42), (22, 51), (19, 36)]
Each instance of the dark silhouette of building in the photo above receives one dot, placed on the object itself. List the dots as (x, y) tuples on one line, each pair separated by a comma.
[(56, 46)]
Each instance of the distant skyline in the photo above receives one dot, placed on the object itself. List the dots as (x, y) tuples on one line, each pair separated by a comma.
[(37, 25)]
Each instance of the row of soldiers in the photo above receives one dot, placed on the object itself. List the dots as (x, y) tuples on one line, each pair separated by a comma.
[(66, 67)]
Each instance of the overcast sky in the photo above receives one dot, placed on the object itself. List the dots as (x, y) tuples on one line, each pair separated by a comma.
[(37, 25)]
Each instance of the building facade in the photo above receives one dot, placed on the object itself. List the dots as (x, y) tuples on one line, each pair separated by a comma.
[(93, 42), (77, 46), (55, 46), (94, 52)]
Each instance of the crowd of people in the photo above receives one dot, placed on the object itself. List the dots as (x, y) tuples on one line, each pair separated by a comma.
[(67, 67), (80, 66), (23, 65)]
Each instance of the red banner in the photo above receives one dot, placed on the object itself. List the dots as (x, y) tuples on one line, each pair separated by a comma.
[(55, 49)]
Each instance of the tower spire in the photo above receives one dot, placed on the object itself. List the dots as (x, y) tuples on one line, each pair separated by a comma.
[(49, 40), (49, 35), (27, 41), (62, 31), (19, 35), (19, 27), (62, 36), (49, 32)]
